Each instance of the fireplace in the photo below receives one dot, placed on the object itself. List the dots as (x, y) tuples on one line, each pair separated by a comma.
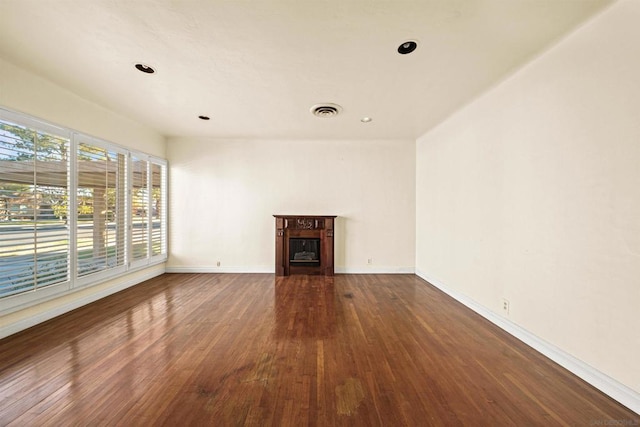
[(304, 244), (304, 251)]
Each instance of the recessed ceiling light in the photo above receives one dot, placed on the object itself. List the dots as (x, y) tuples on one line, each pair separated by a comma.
[(366, 119), (204, 117), (407, 47), (145, 68)]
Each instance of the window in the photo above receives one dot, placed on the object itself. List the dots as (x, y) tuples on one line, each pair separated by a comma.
[(140, 209), (101, 198), (74, 210), (158, 208), (34, 237)]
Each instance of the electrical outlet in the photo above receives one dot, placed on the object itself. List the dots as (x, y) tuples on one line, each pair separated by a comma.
[(505, 306), (370, 261), (218, 264)]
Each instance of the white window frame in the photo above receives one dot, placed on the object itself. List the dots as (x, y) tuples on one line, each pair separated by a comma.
[(103, 275), (74, 283), (24, 299), (162, 257)]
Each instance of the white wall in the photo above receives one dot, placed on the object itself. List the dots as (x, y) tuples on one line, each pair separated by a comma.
[(532, 193), (224, 193), (24, 92)]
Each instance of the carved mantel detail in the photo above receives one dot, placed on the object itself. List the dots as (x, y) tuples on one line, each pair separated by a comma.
[(304, 227), (305, 223)]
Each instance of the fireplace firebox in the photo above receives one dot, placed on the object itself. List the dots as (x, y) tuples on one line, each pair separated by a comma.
[(304, 251), (304, 244)]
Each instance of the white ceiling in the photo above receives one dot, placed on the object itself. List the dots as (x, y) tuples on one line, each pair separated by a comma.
[(256, 67)]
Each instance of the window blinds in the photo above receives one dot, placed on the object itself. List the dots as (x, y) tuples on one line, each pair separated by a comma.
[(74, 210), (34, 232), (101, 226)]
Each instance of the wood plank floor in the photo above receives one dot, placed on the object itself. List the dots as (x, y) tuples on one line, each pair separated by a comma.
[(253, 349)]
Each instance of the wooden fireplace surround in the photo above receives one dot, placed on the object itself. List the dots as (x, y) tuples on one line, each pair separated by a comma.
[(305, 227)]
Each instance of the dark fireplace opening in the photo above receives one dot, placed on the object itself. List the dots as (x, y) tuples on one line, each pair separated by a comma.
[(304, 252)]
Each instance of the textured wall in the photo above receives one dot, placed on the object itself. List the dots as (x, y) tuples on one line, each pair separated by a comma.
[(224, 193), (532, 193)]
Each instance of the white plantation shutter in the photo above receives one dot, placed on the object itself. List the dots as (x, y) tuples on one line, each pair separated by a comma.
[(140, 203), (51, 210), (74, 210), (34, 194), (101, 221), (148, 209), (158, 208)]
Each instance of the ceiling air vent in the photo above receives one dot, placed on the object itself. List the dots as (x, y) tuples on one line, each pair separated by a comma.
[(326, 110)]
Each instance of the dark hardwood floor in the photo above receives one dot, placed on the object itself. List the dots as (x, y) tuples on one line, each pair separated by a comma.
[(253, 349)]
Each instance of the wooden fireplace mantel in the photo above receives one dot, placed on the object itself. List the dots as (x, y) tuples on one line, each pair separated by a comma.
[(306, 227)]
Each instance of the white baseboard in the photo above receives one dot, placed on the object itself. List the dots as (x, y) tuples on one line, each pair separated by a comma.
[(264, 269), (614, 389), (214, 269), (49, 313), (374, 270)]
